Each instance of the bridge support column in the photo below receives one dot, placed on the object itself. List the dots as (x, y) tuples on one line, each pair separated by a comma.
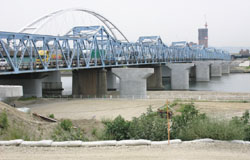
[(89, 83), (9, 93), (133, 81), (180, 75), (202, 71), (52, 84), (166, 72), (34, 84), (216, 69), (31, 86), (225, 68), (112, 82), (154, 82)]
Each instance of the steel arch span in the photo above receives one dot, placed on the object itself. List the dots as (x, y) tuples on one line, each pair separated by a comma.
[(38, 24)]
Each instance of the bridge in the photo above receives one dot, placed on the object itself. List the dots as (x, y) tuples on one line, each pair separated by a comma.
[(97, 53)]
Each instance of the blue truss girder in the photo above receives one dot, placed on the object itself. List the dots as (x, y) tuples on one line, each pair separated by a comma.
[(98, 49)]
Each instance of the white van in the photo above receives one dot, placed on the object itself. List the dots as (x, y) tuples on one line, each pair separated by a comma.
[(3, 62)]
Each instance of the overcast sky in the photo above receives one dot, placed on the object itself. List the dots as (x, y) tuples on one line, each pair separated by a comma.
[(174, 20)]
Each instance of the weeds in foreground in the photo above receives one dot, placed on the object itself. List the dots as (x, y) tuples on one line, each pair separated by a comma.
[(66, 132), (3, 121)]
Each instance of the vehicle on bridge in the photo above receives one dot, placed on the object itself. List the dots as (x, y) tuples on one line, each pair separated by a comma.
[(3, 62), (47, 57)]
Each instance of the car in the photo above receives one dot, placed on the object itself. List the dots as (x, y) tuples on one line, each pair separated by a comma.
[(3, 62)]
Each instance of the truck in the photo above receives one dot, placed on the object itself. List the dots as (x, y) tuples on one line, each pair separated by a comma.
[(45, 56)]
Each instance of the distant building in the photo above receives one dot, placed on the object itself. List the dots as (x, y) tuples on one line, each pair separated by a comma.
[(192, 43), (244, 53), (203, 36)]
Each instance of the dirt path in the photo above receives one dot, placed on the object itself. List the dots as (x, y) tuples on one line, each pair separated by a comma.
[(214, 151)]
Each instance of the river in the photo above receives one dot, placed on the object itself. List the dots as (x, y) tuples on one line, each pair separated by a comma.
[(236, 82)]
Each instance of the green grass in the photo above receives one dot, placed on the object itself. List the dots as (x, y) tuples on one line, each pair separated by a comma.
[(27, 98)]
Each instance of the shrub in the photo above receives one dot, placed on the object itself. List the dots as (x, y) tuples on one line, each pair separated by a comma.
[(66, 125), (60, 134), (211, 128), (52, 116), (94, 132), (149, 126), (65, 132), (117, 129), (245, 117), (3, 121), (188, 125), (188, 114), (247, 133)]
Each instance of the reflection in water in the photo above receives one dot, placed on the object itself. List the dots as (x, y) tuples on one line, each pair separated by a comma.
[(239, 82)]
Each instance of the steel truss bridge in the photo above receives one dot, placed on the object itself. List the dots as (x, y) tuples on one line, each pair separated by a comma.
[(90, 47)]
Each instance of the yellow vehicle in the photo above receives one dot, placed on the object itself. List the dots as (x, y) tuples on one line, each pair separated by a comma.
[(45, 56), (42, 53)]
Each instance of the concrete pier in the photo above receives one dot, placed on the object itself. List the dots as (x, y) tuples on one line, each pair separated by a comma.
[(166, 72), (154, 82), (133, 81), (216, 69), (202, 71), (180, 75), (52, 84), (112, 81), (225, 68), (33, 83), (89, 82), (7, 91)]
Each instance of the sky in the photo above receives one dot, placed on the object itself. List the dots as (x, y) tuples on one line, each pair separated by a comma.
[(173, 20)]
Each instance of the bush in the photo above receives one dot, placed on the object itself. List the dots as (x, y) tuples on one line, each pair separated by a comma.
[(247, 133), (245, 117), (117, 129), (149, 126), (52, 116), (211, 128), (188, 125), (65, 132), (3, 121), (66, 125), (189, 114)]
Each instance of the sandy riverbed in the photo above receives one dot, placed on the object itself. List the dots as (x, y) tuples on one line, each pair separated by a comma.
[(128, 108)]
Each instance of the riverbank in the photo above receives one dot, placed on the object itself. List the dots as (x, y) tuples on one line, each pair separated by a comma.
[(237, 69)]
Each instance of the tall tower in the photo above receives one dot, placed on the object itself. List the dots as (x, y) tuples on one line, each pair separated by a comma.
[(203, 36)]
